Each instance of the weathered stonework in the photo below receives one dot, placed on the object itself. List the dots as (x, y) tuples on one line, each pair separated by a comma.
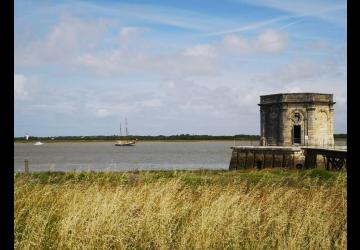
[(266, 157), (297, 119)]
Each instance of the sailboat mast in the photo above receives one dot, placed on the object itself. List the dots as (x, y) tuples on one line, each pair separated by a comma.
[(120, 129), (126, 128)]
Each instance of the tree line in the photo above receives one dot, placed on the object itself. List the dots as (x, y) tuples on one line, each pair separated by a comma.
[(151, 137), (142, 137)]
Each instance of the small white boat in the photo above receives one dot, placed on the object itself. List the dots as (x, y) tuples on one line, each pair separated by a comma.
[(38, 143)]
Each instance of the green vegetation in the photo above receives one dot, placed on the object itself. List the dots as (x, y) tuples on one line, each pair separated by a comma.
[(244, 209), (192, 178)]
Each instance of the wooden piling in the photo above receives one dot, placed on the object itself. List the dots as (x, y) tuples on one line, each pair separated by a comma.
[(237, 160), (254, 159), (264, 155), (246, 157), (26, 165)]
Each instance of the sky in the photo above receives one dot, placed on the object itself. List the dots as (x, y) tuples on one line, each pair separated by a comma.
[(171, 67)]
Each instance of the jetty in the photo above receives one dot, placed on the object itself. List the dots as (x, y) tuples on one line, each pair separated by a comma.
[(334, 159)]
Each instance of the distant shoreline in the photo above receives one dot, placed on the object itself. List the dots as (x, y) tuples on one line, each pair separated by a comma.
[(159, 138), (139, 141), (142, 141)]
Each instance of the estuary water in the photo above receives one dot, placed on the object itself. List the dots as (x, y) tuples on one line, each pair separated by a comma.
[(103, 156)]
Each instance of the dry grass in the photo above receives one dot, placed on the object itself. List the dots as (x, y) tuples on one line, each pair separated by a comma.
[(272, 209)]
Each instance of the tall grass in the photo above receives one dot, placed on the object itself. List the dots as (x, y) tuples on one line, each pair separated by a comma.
[(181, 210)]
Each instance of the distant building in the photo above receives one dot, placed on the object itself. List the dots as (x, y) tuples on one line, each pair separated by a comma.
[(297, 119)]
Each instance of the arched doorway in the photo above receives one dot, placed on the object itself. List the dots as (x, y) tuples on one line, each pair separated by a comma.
[(297, 134)]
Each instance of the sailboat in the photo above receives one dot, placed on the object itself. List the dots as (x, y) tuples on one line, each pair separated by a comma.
[(125, 142)]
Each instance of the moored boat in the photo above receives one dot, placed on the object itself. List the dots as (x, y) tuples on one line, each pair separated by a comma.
[(125, 142)]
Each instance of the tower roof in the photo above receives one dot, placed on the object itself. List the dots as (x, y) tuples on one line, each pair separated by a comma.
[(311, 98)]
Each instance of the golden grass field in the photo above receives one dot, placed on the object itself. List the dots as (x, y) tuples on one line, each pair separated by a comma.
[(266, 209)]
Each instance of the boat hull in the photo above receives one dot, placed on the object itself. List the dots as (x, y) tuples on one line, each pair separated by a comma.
[(126, 144)]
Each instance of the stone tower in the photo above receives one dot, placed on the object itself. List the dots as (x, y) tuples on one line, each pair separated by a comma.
[(297, 119)]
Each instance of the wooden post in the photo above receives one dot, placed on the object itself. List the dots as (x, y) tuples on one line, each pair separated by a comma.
[(237, 159), (26, 163), (327, 164), (254, 160), (263, 166), (283, 160), (246, 156), (273, 159)]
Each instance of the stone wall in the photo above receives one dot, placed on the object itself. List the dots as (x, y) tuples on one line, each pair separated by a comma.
[(244, 157), (266, 157)]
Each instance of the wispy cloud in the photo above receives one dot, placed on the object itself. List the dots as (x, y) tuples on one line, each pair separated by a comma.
[(297, 10), (332, 11), (292, 23), (252, 26), (157, 14)]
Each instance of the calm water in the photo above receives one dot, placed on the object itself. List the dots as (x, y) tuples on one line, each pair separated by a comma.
[(103, 156)]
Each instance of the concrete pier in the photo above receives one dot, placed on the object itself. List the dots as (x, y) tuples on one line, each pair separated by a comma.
[(287, 157)]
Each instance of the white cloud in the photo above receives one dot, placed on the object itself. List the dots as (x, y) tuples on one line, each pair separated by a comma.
[(72, 42), (65, 40), (300, 70), (129, 38), (236, 44), (269, 41), (119, 62), (20, 85), (127, 33), (198, 98), (198, 60), (103, 113), (201, 50)]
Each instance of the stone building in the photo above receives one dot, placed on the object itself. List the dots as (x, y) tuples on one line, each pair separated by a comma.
[(297, 119), (296, 132)]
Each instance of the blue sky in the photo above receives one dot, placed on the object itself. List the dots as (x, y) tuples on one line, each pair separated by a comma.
[(171, 67)]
